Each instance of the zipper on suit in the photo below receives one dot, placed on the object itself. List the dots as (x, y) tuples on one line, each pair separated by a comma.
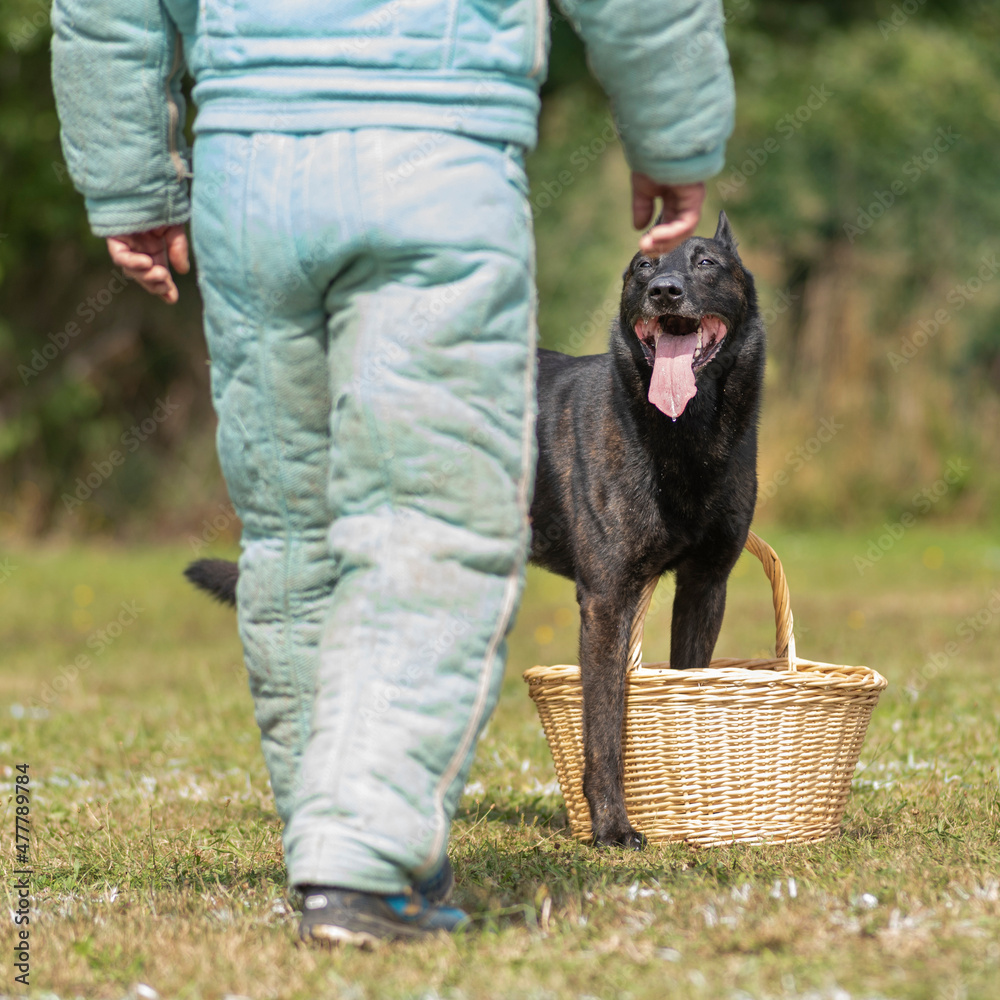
[(541, 27), (173, 112)]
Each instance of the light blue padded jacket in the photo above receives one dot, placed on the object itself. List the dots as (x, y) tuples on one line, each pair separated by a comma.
[(465, 66)]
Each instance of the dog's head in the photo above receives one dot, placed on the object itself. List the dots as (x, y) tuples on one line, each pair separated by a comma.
[(686, 309)]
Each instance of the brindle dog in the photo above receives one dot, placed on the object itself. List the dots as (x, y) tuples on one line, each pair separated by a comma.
[(647, 463)]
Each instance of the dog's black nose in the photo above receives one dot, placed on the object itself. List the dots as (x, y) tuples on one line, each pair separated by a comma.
[(666, 286)]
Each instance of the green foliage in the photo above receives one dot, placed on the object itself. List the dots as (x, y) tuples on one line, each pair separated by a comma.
[(38, 207), (859, 229), (854, 113), (81, 356)]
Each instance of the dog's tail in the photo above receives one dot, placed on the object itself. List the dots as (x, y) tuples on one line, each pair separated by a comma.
[(217, 576)]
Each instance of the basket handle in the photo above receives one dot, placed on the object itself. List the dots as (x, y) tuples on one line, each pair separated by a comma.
[(784, 645)]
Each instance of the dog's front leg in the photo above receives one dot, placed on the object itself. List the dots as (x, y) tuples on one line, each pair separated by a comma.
[(604, 628), (699, 606)]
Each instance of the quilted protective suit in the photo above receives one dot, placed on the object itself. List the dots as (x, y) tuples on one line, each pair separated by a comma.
[(364, 249)]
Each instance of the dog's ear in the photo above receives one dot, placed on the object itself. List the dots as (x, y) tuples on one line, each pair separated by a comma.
[(724, 233)]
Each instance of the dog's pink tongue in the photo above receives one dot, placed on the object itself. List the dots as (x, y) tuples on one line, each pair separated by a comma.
[(672, 385)]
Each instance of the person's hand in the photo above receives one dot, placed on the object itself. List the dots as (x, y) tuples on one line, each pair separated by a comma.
[(147, 257), (678, 218)]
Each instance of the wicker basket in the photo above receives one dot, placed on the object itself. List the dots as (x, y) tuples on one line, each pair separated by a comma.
[(743, 751)]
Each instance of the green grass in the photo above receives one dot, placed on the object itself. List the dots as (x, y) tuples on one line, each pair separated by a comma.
[(158, 855)]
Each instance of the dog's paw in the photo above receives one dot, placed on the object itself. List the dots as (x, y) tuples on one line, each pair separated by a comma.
[(630, 840), (634, 841)]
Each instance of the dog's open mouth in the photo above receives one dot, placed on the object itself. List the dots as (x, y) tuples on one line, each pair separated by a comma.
[(677, 348)]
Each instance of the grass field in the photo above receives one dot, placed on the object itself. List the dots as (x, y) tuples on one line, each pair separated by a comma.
[(156, 854)]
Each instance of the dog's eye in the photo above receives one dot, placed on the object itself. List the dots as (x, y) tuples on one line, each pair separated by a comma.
[(644, 263), (706, 261)]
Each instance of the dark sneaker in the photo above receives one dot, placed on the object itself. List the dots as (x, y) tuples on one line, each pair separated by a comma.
[(437, 888), (347, 916)]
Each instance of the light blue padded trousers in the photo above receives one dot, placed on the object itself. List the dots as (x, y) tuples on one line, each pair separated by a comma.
[(369, 309)]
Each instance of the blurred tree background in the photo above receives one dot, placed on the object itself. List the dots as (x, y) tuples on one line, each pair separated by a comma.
[(861, 181)]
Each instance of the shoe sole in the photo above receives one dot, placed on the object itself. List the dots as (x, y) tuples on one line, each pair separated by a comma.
[(335, 934), (332, 935)]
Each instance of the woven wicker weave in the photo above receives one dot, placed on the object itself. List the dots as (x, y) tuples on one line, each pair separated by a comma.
[(742, 751)]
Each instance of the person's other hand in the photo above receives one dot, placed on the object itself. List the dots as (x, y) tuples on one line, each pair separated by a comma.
[(147, 257), (678, 219)]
